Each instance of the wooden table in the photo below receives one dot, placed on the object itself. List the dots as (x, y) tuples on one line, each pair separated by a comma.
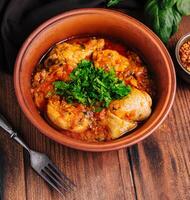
[(157, 168)]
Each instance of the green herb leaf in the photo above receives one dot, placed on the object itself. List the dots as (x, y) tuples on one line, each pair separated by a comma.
[(92, 86), (113, 2), (177, 20), (99, 109), (161, 18), (165, 16), (183, 6), (166, 19), (168, 3), (151, 10)]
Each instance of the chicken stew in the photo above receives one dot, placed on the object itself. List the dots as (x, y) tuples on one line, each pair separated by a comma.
[(92, 89)]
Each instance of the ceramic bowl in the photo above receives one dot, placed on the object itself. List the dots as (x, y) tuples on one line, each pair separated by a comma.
[(109, 24), (183, 73)]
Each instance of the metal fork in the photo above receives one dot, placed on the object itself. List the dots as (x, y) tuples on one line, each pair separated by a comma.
[(41, 163)]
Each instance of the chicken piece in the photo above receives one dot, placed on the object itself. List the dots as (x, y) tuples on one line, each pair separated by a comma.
[(109, 59), (72, 54), (136, 106), (66, 116), (118, 126)]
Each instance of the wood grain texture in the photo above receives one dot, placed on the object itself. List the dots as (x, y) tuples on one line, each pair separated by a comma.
[(156, 168), (12, 180), (95, 174)]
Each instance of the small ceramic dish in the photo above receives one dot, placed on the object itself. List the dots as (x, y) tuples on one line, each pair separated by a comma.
[(183, 73), (109, 24)]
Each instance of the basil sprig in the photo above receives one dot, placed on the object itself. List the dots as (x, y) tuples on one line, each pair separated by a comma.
[(165, 16)]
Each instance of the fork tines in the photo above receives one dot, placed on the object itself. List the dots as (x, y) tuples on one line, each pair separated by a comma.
[(57, 179)]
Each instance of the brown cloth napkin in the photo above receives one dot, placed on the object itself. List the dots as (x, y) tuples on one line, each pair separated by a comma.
[(18, 18)]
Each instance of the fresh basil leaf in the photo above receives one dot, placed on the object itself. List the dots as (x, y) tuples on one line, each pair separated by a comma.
[(166, 19), (176, 21), (168, 3), (149, 5), (164, 16), (151, 10), (183, 6)]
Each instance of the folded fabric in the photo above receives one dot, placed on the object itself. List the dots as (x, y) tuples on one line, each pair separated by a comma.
[(18, 18)]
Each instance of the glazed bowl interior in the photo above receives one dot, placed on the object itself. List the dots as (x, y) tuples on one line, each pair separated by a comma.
[(104, 23)]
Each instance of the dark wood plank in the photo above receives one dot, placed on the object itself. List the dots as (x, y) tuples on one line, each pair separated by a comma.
[(96, 174), (12, 185), (161, 163)]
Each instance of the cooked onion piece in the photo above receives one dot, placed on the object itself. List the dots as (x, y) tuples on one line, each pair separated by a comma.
[(118, 126)]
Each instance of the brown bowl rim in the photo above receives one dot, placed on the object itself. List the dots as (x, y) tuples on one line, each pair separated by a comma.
[(108, 146)]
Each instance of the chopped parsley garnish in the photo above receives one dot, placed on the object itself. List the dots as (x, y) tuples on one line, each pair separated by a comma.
[(92, 86)]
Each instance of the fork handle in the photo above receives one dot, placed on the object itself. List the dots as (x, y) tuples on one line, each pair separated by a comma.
[(8, 128)]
